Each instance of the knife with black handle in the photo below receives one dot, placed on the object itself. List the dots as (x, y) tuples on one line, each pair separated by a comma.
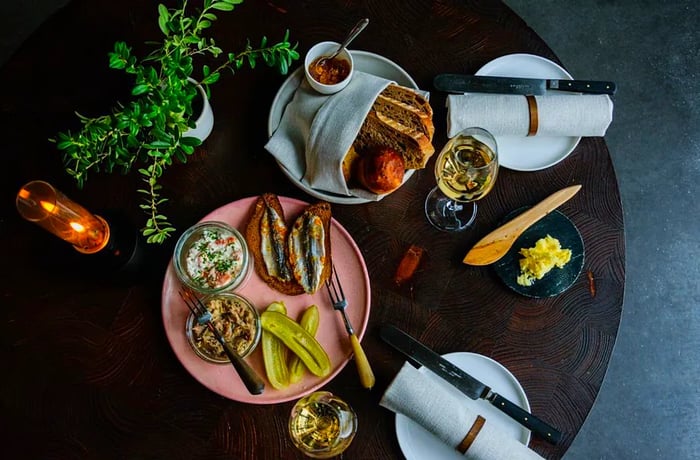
[(420, 354), (458, 83)]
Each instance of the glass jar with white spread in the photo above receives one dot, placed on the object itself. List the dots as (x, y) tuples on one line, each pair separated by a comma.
[(212, 257)]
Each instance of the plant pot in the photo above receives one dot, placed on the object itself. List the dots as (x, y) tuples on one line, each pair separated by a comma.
[(205, 121)]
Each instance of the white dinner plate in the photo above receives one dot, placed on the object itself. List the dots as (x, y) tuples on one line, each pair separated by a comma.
[(365, 62), (418, 444), (536, 152)]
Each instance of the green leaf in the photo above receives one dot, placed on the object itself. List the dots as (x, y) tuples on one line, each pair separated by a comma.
[(158, 145), (222, 6), (163, 11), (213, 78), (116, 62), (193, 141), (140, 89), (63, 145), (163, 18)]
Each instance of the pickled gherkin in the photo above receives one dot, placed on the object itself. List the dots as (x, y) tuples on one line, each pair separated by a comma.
[(309, 322), (299, 341), (275, 353)]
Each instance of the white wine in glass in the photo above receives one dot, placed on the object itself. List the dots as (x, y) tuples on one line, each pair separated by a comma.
[(322, 425), (465, 171)]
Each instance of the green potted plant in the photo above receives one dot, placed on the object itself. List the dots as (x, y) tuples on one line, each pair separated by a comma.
[(155, 128)]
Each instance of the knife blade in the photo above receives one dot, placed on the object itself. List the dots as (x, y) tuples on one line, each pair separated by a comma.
[(419, 353), (457, 83)]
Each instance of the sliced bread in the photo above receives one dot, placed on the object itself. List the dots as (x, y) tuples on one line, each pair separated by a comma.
[(379, 130), (408, 115), (410, 97)]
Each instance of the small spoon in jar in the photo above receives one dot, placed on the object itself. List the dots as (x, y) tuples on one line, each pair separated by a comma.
[(359, 27)]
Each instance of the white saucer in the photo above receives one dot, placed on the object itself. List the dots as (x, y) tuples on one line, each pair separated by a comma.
[(418, 444), (536, 152), (365, 62)]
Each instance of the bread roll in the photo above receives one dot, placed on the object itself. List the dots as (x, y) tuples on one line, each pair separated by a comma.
[(350, 164), (381, 170)]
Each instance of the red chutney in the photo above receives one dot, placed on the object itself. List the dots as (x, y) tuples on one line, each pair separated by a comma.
[(330, 71)]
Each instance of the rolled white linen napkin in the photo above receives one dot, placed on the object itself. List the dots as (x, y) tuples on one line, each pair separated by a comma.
[(316, 131), (443, 413), (509, 115)]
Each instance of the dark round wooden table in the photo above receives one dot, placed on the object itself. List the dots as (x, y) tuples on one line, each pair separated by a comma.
[(87, 369)]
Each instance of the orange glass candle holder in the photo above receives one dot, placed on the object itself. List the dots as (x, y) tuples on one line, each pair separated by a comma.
[(43, 204)]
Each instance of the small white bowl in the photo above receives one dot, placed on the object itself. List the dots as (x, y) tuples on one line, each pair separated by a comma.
[(326, 49)]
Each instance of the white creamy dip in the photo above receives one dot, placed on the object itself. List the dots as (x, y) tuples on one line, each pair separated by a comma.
[(215, 259)]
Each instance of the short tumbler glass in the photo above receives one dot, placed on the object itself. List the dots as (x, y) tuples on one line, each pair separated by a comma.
[(322, 425)]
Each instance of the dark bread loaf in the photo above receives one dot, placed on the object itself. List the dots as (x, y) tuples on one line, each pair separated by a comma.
[(410, 97), (378, 130), (350, 161), (408, 115)]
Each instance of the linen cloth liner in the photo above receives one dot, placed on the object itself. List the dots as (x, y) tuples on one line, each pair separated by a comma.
[(316, 131), (443, 413), (506, 115)]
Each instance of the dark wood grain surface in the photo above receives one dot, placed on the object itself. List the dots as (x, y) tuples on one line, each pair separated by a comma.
[(87, 370)]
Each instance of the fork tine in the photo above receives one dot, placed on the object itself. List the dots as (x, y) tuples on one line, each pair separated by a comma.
[(185, 298), (337, 281), (202, 307), (331, 288), (335, 289)]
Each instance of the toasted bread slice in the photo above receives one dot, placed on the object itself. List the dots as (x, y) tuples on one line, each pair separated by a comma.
[(409, 96), (323, 210), (408, 115), (254, 238), (379, 130), (301, 263)]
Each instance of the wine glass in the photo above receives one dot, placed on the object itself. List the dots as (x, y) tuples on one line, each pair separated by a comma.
[(465, 171), (322, 425)]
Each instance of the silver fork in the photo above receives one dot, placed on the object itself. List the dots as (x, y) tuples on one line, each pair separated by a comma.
[(250, 378), (340, 303)]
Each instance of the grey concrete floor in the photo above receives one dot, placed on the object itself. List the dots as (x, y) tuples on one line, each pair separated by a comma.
[(648, 406)]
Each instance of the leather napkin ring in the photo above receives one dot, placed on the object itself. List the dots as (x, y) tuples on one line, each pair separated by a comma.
[(471, 435), (534, 121)]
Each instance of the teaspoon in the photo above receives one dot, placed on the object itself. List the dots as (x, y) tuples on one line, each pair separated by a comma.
[(359, 27)]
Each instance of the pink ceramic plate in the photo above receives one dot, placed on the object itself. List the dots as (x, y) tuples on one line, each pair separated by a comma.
[(221, 378)]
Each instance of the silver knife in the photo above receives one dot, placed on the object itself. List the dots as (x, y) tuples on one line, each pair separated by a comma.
[(418, 353), (458, 83)]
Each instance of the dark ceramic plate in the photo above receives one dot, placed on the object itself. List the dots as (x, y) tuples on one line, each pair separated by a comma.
[(557, 280)]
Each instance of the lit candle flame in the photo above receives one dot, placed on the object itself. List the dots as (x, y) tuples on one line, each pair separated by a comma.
[(77, 227), (41, 203), (50, 207)]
